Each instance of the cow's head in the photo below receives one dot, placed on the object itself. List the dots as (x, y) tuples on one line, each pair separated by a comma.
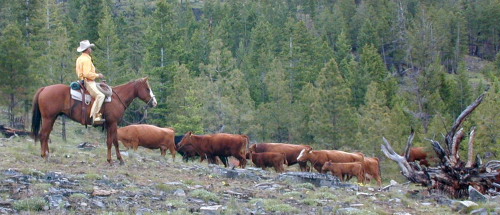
[(304, 155), (186, 140)]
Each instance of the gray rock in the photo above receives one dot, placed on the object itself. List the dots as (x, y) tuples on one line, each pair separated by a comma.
[(476, 196), (211, 210), (346, 211), (327, 209), (98, 204), (316, 179), (462, 205), (180, 193), (394, 183), (480, 211)]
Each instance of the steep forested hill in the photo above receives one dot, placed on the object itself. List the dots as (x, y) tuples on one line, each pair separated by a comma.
[(333, 74)]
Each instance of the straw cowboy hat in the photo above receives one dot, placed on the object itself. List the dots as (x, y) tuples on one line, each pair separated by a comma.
[(85, 44)]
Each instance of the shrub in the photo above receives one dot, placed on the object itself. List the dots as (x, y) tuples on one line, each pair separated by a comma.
[(205, 195), (31, 204)]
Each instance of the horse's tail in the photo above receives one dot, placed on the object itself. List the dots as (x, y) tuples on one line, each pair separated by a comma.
[(36, 119)]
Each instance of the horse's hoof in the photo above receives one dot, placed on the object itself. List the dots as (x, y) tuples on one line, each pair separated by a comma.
[(122, 163)]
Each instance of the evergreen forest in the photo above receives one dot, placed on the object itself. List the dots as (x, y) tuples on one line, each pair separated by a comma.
[(334, 74)]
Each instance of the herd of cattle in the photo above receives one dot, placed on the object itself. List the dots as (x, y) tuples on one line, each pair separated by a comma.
[(218, 147)]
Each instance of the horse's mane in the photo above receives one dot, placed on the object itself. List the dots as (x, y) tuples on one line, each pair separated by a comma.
[(136, 80)]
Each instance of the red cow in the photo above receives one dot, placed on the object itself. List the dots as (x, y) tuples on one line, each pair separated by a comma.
[(372, 169), (148, 136), (419, 154), (341, 169), (269, 159), (319, 157), (220, 144), (291, 151), (188, 151)]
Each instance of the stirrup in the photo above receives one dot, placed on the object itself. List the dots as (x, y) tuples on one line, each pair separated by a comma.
[(98, 121)]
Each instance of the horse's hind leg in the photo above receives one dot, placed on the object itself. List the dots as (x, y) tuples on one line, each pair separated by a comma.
[(47, 124)]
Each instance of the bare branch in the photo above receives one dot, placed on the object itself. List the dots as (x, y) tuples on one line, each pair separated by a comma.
[(409, 144), (470, 152), (454, 147), (460, 119)]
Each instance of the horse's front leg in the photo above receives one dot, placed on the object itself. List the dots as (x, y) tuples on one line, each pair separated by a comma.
[(44, 136), (113, 140)]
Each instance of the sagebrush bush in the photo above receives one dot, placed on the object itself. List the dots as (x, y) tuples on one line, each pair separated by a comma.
[(205, 195), (31, 204)]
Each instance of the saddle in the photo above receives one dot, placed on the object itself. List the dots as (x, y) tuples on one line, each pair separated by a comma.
[(79, 92)]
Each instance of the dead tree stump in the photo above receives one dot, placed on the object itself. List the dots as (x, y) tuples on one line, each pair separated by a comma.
[(452, 175)]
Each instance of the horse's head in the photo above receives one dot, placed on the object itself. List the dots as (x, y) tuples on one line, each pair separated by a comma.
[(145, 93)]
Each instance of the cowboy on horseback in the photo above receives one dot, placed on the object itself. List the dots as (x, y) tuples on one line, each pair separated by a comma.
[(85, 70)]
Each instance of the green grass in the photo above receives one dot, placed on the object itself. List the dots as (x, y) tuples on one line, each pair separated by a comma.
[(77, 197), (31, 204), (176, 203), (275, 205), (93, 176), (167, 187), (306, 186), (205, 195)]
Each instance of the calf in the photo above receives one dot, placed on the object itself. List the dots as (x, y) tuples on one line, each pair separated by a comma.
[(340, 169), (319, 157), (148, 136), (269, 159), (221, 144), (291, 151)]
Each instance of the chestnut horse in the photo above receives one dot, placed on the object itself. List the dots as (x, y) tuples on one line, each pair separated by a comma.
[(54, 100)]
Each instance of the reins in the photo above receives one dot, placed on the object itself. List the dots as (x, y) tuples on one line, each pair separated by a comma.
[(138, 110)]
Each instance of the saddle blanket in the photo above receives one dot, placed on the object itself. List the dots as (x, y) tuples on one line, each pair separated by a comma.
[(77, 95)]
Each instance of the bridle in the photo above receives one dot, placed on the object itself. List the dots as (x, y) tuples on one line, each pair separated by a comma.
[(139, 109)]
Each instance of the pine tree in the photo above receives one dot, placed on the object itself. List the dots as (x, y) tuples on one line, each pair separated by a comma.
[(332, 116), (14, 65), (187, 114), (109, 55), (275, 115), (374, 120)]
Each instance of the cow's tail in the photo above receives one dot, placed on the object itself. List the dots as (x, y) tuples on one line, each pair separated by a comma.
[(36, 118)]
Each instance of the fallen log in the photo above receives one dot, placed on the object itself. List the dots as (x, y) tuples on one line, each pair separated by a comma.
[(452, 176), (8, 132)]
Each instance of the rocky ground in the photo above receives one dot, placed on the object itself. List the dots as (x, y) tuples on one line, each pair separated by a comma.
[(79, 181)]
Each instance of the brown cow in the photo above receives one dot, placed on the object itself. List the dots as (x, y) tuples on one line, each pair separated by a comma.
[(148, 136), (188, 151), (269, 159), (319, 157), (341, 169), (291, 151), (419, 154), (220, 144), (372, 169)]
